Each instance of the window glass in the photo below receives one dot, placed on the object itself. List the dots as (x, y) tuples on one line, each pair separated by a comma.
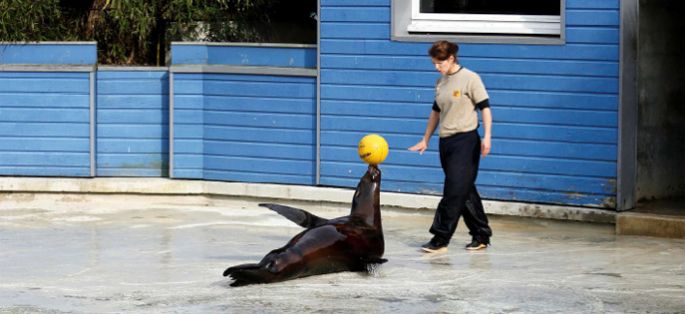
[(485, 21), (521, 7)]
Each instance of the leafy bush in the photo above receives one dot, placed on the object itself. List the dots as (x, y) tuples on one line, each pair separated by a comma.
[(38, 20), (139, 31)]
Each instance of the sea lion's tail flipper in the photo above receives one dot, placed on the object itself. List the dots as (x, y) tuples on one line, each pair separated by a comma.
[(296, 215), (248, 274)]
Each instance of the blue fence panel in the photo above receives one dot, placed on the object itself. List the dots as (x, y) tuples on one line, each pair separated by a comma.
[(252, 126), (62, 53), (188, 126), (281, 55), (132, 123), (44, 124), (555, 107), (260, 128)]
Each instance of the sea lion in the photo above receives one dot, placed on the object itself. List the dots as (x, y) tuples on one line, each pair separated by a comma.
[(348, 243)]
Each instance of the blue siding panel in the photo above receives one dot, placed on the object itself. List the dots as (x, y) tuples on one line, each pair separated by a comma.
[(354, 3), (492, 81), (506, 147), (260, 134), (592, 4), (513, 180), (592, 35), (64, 53), (557, 116), (586, 52), (245, 55), (555, 107), (259, 104), (498, 162), (188, 124), (257, 177), (245, 127), (480, 65), (353, 14), (258, 89), (344, 30), (260, 141), (132, 117), (44, 121), (189, 54), (608, 18), (263, 56)]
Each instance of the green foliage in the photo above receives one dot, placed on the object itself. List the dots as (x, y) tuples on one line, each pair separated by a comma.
[(36, 20), (139, 31)]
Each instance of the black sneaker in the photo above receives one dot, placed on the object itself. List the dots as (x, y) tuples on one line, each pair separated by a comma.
[(434, 246), (476, 245)]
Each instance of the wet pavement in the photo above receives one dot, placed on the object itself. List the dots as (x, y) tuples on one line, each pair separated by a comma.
[(158, 254)]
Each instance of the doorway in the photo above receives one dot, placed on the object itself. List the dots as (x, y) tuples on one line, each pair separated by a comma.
[(660, 168)]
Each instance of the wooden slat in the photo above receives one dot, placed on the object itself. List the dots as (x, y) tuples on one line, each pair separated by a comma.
[(480, 65), (608, 18), (132, 123), (62, 53), (516, 82), (44, 122), (256, 128), (590, 52), (353, 14), (259, 177)]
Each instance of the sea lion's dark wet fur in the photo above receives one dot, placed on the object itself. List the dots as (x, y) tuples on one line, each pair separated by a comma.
[(348, 243)]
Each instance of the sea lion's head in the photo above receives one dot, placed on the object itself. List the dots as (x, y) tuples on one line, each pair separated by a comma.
[(374, 173)]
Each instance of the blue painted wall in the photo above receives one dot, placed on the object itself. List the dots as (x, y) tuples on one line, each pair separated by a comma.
[(45, 116), (289, 56), (132, 123), (188, 125), (555, 107), (58, 53), (245, 127)]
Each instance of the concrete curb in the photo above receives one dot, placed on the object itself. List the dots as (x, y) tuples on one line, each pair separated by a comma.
[(162, 186), (649, 224)]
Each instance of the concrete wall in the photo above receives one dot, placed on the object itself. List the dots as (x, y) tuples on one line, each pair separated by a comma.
[(661, 113)]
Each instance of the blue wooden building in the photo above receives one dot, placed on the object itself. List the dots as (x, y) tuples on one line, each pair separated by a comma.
[(562, 85), (555, 99)]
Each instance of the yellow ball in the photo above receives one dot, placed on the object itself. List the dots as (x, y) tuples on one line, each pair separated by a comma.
[(373, 149)]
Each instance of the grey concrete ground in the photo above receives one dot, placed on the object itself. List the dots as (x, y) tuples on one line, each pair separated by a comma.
[(164, 254)]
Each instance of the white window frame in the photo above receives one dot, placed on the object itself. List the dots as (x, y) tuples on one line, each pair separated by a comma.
[(506, 24)]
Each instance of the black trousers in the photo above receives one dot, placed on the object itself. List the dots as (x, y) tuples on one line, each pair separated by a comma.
[(460, 158)]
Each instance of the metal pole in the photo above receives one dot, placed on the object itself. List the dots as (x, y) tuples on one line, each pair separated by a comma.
[(91, 100)]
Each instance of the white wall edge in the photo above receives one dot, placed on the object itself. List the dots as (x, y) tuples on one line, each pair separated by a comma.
[(163, 186)]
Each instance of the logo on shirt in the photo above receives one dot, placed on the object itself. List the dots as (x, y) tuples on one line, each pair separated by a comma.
[(456, 93)]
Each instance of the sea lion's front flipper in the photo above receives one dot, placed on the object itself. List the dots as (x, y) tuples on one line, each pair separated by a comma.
[(373, 260), (296, 215)]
